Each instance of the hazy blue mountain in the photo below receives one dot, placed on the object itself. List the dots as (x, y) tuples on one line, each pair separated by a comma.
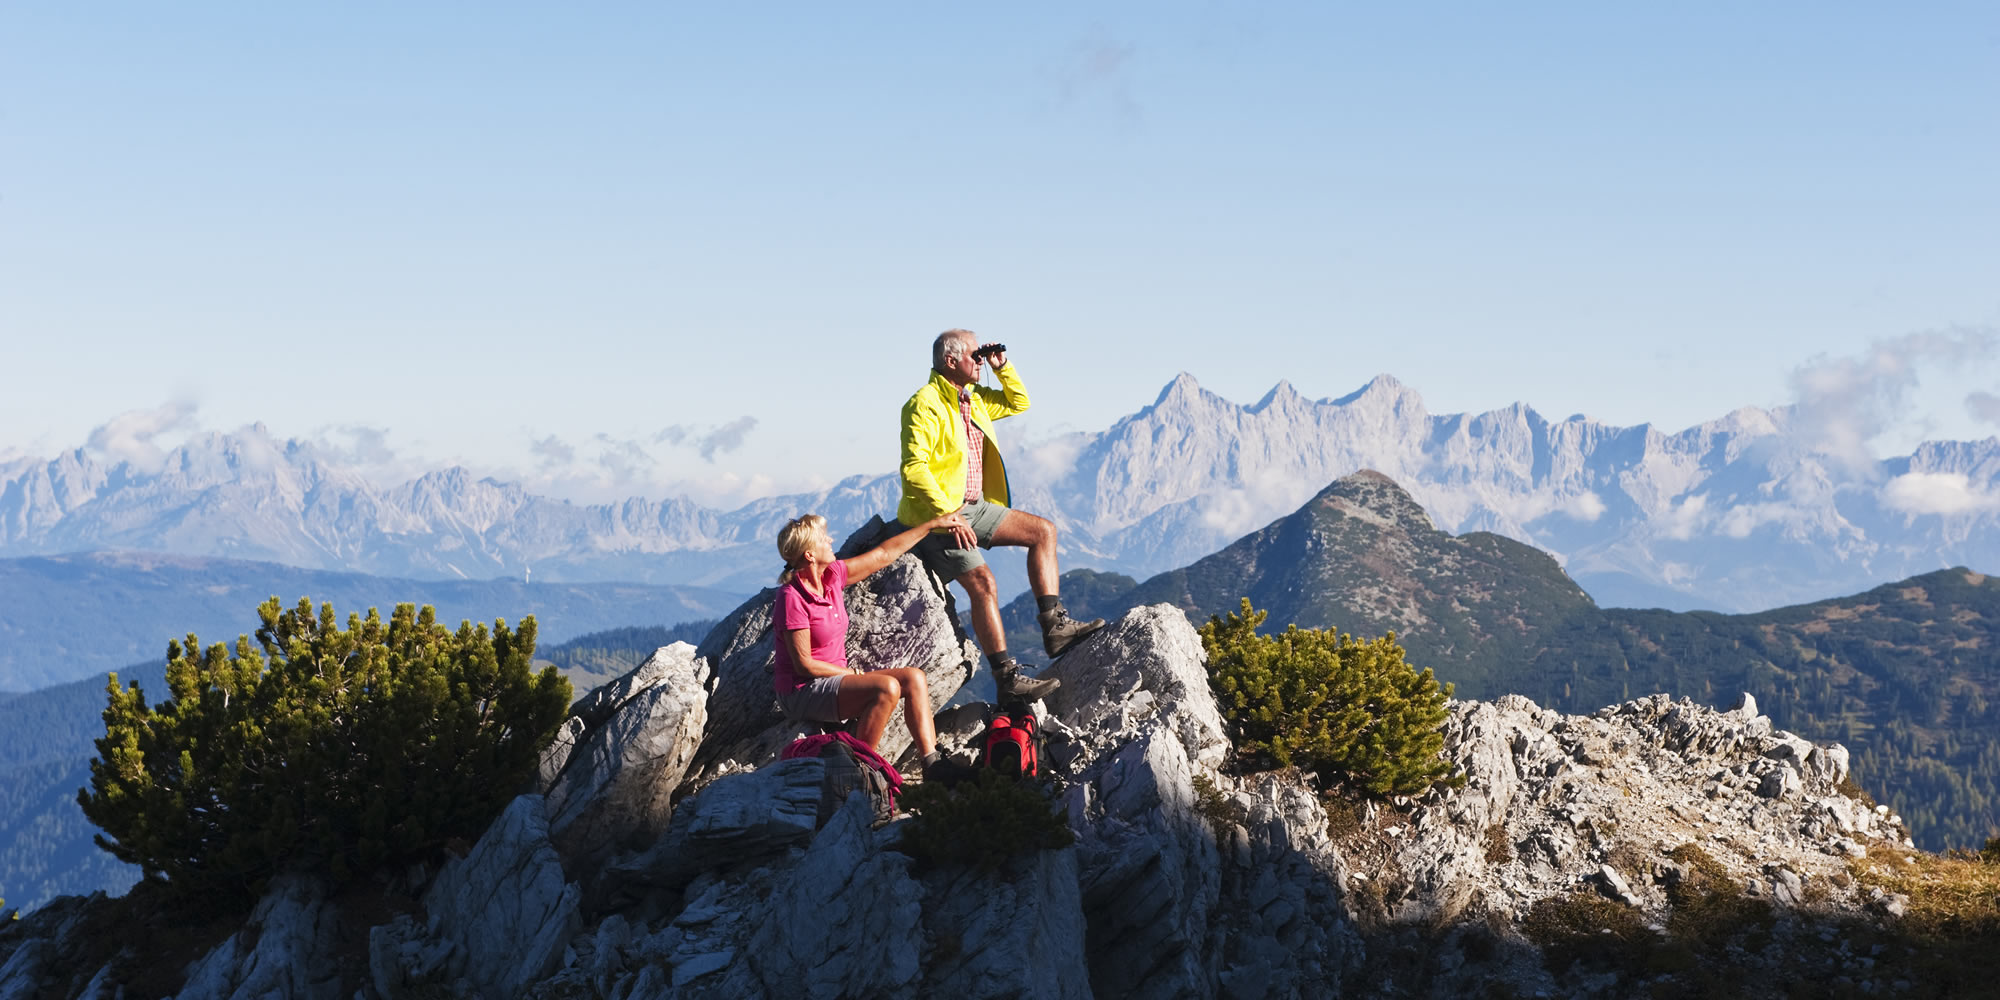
[(1740, 513), (69, 616)]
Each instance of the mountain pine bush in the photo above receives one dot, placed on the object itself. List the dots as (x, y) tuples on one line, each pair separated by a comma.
[(1327, 701), (981, 823), (336, 749)]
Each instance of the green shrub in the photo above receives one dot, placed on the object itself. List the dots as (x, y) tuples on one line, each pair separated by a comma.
[(339, 750), (981, 823), (1329, 702)]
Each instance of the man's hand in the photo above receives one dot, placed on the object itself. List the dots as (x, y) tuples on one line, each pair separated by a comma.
[(997, 360)]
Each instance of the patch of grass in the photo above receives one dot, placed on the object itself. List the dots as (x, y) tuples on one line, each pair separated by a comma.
[(1951, 897), (1499, 850), (1630, 861), (1585, 927), (1849, 788), (1343, 815), (1709, 907)]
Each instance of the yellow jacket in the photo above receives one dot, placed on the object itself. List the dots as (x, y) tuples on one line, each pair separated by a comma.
[(933, 466)]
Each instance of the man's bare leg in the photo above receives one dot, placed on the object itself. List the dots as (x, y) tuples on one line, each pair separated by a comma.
[(1038, 534), (1007, 680), (1059, 630), (983, 592)]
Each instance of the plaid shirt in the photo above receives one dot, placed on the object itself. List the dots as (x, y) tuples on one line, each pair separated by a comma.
[(975, 448)]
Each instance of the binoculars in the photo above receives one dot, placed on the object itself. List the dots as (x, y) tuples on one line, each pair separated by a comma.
[(989, 350)]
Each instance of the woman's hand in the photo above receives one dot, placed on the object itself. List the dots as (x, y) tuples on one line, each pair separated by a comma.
[(961, 530)]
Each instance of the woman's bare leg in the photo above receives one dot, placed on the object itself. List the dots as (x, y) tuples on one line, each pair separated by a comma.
[(917, 707), (870, 699)]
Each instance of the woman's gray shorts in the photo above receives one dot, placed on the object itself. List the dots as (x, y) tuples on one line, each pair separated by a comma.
[(818, 701)]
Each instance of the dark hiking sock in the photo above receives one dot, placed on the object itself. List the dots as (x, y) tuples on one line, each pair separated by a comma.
[(1048, 603), (931, 758)]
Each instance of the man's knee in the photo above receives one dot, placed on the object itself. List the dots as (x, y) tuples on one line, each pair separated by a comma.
[(978, 582)]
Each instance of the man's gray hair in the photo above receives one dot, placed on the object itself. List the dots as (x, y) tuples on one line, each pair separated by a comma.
[(952, 345)]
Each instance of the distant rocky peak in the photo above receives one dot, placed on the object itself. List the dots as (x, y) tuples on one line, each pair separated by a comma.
[(1185, 394), (1372, 496), (1282, 396), (1382, 390)]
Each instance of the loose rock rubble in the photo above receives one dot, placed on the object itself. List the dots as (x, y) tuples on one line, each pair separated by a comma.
[(666, 853)]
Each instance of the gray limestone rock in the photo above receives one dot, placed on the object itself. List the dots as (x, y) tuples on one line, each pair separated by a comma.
[(615, 790), (22, 973), (847, 921), (1148, 665), (505, 908), (740, 818), (556, 755), (1150, 871), (285, 951), (980, 926), (1779, 784)]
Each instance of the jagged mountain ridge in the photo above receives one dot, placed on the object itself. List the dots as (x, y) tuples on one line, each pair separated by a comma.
[(249, 496), (1734, 514), (1907, 674)]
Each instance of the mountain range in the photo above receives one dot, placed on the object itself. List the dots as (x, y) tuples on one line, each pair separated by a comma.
[(1753, 510)]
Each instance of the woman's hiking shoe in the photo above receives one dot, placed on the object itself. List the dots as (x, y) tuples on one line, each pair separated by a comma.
[(1060, 631)]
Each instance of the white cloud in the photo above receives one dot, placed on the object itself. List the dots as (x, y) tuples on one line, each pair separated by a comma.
[(707, 440), (128, 437), (1684, 518), (551, 452), (1095, 68), (1942, 493), (1739, 521), (1984, 407), (1585, 506), (1844, 403)]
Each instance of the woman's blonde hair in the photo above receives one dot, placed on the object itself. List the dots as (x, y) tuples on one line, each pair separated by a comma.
[(795, 538)]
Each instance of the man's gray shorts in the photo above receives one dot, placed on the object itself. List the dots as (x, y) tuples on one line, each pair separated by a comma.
[(939, 549), (818, 701)]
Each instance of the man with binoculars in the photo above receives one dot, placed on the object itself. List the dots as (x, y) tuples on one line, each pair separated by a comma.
[(951, 463)]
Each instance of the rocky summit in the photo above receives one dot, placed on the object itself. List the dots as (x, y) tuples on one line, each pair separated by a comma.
[(667, 852)]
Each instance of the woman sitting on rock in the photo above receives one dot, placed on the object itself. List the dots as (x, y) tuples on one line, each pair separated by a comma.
[(809, 623)]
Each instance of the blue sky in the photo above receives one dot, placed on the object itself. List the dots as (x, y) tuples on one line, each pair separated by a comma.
[(637, 249)]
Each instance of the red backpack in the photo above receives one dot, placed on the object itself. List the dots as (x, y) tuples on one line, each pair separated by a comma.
[(1011, 745)]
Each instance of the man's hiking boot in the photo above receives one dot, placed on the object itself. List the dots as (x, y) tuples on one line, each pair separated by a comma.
[(1010, 685), (1060, 631)]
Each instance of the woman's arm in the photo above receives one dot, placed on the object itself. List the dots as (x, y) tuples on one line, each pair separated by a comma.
[(882, 555), (800, 642)]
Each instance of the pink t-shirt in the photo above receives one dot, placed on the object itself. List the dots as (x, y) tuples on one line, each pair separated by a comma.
[(824, 618)]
